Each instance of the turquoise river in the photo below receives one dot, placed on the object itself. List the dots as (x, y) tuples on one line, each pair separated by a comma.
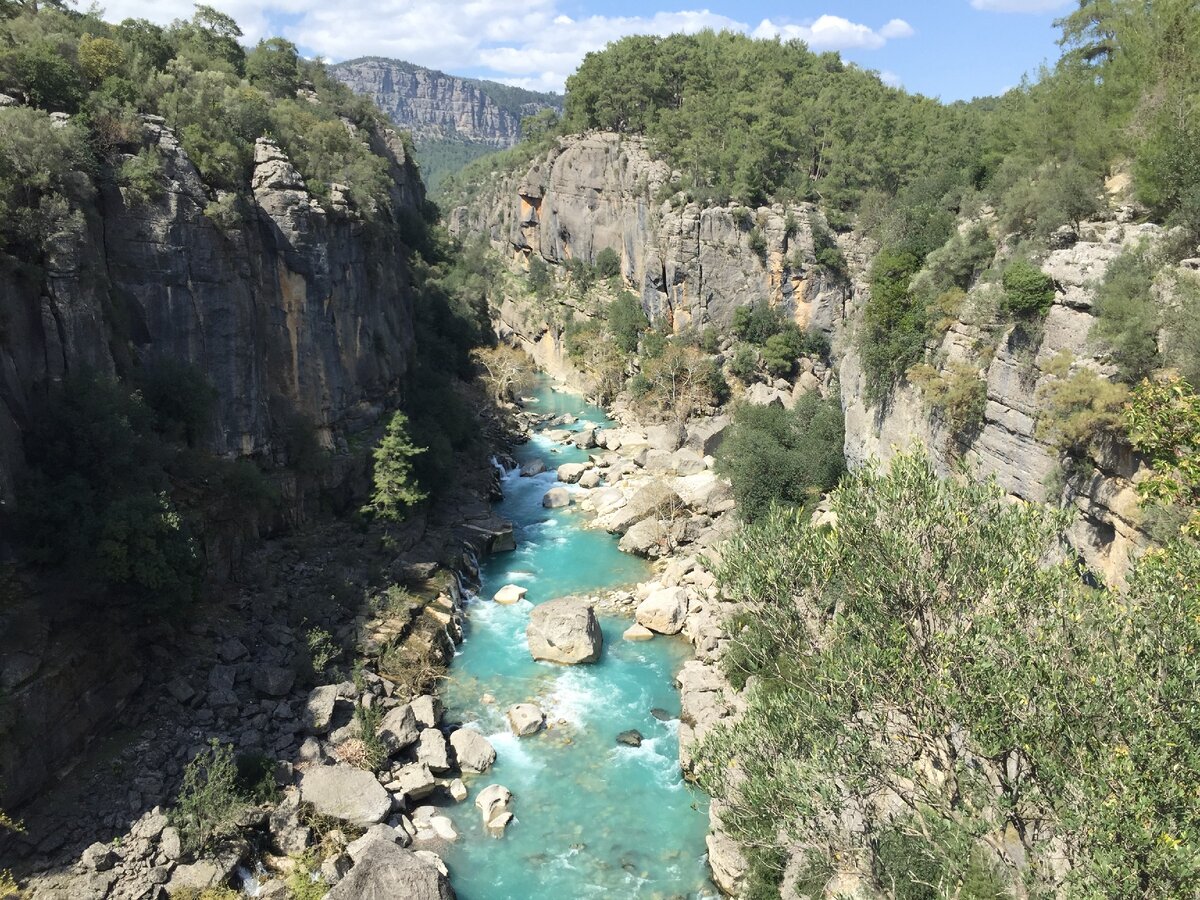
[(593, 818)]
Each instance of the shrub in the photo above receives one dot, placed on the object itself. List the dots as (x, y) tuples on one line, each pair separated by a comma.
[(627, 321), (395, 488), (99, 58), (744, 362), (209, 803), (778, 456), (780, 353), (936, 607), (142, 175), (256, 778), (1028, 291), (540, 281), (958, 396), (757, 322), (757, 243), (608, 263), (891, 337), (1079, 409), (1183, 329), (321, 650), (1127, 320), (1163, 422)]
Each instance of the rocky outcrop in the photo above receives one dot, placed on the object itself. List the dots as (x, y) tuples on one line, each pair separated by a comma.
[(385, 869), (434, 105), (1008, 446), (346, 793), (690, 264)]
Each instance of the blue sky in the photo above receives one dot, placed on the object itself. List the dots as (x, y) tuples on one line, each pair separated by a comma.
[(953, 49)]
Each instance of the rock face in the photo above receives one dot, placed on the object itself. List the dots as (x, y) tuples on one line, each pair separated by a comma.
[(691, 265), (384, 869), (433, 105), (294, 312), (1007, 445), (564, 631), (347, 793)]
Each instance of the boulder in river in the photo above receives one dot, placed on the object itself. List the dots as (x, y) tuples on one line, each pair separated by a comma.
[(664, 610), (526, 719), (346, 793), (532, 468), (630, 738), (556, 498), (510, 594), (475, 753), (564, 631), (569, 473), (492, 803), (385, 869), (636, 632)]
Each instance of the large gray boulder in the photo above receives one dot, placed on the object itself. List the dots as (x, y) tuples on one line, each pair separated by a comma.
[(526, 719), (667, 438), (556, 498), (664, 611), (644, 538), (386, 871), (398, 729), (705, 435), (318, 710), (474, 752), (492, 803), (655, 498), (431, 750), (564, 631), (346, 793), (569, 473)]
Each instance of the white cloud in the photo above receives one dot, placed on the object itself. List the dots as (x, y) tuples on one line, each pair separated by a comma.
[(533, 44), (891, 79), (835, 33), (1020, 6)]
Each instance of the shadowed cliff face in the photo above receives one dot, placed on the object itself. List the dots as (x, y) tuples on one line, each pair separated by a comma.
[(289, 308), (294, 306), (433, 105)]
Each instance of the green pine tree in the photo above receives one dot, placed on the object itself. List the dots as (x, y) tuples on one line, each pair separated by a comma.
[(396, 488)]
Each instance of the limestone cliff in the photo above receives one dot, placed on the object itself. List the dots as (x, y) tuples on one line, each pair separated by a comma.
[(434, 105), (694, 264), (691, 264), (288, 307)]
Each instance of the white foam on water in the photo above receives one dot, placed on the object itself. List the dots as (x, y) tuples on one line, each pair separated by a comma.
[(520, 575), (573, 697), (663, 766), (510, 748)]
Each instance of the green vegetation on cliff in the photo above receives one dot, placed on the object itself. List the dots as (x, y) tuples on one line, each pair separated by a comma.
[(920, 656)]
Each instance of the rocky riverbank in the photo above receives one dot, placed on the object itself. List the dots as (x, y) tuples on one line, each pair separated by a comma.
[(325, 655), (656, 486)]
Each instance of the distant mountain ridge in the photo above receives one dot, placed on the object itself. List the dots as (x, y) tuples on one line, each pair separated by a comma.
[(435, 106)]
